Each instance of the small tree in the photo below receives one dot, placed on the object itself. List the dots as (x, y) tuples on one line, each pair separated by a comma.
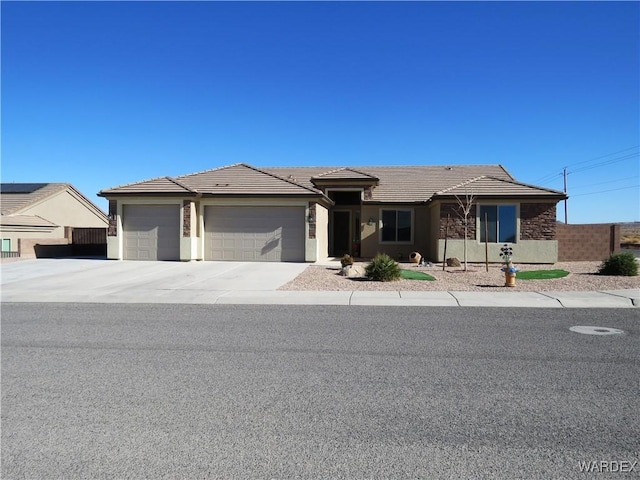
[(464, 209)]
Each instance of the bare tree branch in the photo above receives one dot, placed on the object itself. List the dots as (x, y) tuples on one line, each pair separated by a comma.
[(465, 207)]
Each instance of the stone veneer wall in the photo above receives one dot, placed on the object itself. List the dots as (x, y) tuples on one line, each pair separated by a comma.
[(112, 229), (537, 221), (456, 222), (186, 218), (312, 224), (587, 241)]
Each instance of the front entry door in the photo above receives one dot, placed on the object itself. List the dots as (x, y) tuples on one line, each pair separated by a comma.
[(341, 235)]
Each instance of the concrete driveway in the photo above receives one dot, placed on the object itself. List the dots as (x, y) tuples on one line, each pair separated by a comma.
[(88, 280)]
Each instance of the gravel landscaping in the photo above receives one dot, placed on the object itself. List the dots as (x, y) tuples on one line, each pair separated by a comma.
[(582, 277)]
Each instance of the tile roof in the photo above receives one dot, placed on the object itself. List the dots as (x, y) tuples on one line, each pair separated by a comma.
[(160, 185), (401, 184), (344, 174), (238, 179), (243, 179), (405, 183), (495, 187), (25, 221), (15, 197)]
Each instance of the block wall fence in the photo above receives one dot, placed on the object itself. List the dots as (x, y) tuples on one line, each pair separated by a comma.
[(587, 241)]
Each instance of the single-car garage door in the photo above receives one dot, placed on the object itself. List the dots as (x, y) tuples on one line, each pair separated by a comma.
[(266, 234), (151, 232)]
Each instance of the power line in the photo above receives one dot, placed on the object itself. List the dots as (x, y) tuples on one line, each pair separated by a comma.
[(599, 183), (551, 176), (607, 162), (603, 156), (604, 191), (549, 180)]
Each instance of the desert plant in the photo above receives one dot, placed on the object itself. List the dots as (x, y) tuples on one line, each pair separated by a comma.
[(383, 268), (346, 260), (620, 264)]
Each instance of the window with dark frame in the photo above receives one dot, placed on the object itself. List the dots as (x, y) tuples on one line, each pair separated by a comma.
[(396, 225), (501, 225)]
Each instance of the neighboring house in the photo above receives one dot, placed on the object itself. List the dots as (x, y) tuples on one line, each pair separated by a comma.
[(37, 214), (240, 212)]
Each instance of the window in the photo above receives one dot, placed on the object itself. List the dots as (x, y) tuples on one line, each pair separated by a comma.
[(501, 223), (396, 226), (6, 244)]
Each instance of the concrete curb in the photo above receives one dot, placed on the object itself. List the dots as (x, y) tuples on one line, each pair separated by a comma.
[(604, 299)]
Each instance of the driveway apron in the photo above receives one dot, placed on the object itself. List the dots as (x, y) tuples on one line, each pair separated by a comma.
[(83, 280)]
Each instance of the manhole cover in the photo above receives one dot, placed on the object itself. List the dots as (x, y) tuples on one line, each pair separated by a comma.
[(596, 330)]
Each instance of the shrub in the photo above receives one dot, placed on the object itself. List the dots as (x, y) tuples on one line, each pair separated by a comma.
[(346, 260), (383, 268), (620, 264)]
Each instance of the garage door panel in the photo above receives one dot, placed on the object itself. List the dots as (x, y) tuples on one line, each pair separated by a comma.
[(254, 233), (151, 232)]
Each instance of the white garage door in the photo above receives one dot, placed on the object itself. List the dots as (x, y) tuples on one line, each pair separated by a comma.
[(265, 234), (151, 232)]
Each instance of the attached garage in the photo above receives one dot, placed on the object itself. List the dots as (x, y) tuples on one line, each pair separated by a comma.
[(151, 232), (265, 234)]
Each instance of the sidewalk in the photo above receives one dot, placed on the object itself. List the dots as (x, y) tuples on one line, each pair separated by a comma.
[(605, 299)]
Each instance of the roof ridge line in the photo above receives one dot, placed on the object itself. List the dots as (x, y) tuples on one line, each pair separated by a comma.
[(328, 172), (278, 177), (210, 170), (180, 184), (461, 184), (341, 169), (133, 183), (530, 185), (361, 172)]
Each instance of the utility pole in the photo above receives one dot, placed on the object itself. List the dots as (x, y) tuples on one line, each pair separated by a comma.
[(564, 174)]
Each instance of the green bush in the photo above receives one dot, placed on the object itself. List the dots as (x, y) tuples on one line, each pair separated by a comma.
[(346, 260), (383, 268), (620, 264)]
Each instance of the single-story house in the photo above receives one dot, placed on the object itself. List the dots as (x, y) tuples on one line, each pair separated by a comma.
[(39, 214), (240, 212)]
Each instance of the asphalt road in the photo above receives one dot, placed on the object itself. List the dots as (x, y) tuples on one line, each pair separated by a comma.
[(282, 392)]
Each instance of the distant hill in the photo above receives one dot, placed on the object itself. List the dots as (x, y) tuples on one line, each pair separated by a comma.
[(630, 233)]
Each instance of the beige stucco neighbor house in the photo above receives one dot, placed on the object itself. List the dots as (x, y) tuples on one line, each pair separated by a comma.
[(244, 213), (41, 213)]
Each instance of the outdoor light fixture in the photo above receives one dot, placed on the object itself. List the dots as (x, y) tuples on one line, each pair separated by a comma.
[(310, 218)]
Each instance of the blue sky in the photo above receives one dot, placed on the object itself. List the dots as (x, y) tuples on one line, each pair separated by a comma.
[(104, 93)]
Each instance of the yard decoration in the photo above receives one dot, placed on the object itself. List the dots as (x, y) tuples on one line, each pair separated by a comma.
[(506, 252), (453, 262), (346, 260), (415, 257)]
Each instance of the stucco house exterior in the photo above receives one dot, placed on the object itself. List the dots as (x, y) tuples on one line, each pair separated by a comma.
[(240, 212), (33, 214)]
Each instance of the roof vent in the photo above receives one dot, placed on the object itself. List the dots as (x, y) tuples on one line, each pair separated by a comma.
[(448, 168)]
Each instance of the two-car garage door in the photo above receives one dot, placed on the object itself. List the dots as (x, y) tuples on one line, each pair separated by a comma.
[(266, 234)]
